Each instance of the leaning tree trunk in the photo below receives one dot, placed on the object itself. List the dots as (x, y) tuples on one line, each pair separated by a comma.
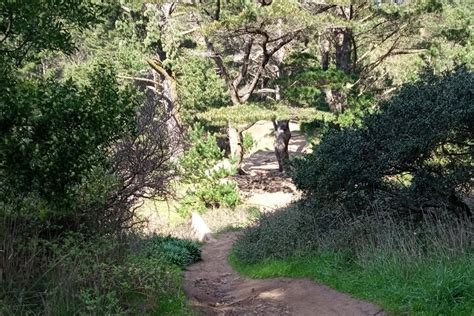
[(169, 97), (282, 138), (236, 146), (175, 130)]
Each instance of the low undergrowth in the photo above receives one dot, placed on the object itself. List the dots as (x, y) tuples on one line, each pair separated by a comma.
[(207, 182), (103, 276), (406, 268)]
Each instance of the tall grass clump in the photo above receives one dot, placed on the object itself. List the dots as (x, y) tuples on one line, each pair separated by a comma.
[(425, 268), (299, 229)]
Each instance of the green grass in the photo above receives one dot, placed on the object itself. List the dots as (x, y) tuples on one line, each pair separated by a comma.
[(421, 287), (174, 305)]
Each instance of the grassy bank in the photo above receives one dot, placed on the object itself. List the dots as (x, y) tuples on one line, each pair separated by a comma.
[(420, 287), (422, 268)]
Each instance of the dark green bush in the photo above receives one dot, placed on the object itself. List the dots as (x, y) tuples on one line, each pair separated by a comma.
[(55, 144), (414, 153)]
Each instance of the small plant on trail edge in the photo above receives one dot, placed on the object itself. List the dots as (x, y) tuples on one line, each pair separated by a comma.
[(207, 187), (248, 142), (180, 252)]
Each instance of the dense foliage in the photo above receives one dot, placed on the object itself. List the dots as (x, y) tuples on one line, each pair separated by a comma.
[(29, 28), (380, 197), (76, 156), (400, 157), (54, 136)]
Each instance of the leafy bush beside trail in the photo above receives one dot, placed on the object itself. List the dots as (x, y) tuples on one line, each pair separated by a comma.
[(102, 276), (413, 155), (180, 252)]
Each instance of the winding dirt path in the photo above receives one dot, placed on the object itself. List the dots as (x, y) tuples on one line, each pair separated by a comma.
[(214, 288)]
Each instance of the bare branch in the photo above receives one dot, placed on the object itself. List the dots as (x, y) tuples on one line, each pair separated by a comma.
[(138, 79)]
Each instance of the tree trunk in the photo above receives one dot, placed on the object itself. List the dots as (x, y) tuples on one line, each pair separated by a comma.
[(173, 123), (335, 100), (169, 96), (324, 51), (282, 138), (236, 147), (343, 43)]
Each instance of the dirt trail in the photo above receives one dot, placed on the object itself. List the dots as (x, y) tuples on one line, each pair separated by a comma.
[(214, 288)]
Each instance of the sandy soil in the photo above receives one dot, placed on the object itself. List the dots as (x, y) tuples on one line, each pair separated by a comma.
[(213, 288), (264, 186)]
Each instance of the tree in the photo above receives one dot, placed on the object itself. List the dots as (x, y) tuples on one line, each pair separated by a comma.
[(75, 153), (24, 32), (254, 34)]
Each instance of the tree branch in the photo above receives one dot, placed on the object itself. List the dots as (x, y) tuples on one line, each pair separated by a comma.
[(156, 65), (374, 47), (245, 63), (8, 29), (138, 79)]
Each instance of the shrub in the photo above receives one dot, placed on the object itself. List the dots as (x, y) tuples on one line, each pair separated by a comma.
[(201, 155), (413, 154), (74, 159), (53, 133), (180, 252), (248, 142), (69, 154), (219, 195), (101, 276), (205, 180)]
